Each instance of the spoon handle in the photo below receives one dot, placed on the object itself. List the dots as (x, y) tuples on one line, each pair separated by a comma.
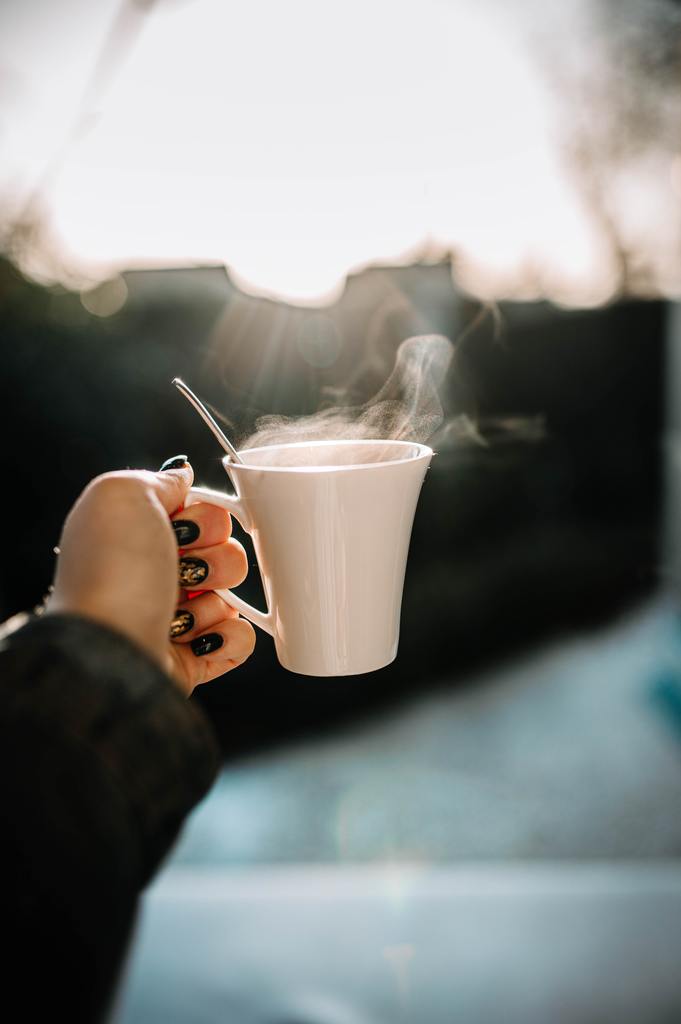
[(208, 419)]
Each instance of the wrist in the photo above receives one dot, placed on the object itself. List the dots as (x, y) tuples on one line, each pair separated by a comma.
[(142, 634)]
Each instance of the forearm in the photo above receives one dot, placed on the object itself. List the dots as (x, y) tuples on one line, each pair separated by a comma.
[(102, 760)]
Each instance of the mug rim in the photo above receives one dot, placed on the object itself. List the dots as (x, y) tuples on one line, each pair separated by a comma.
[(423, 451)]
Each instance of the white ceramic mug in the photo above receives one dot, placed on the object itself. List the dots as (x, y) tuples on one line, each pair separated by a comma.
[(331, 523)]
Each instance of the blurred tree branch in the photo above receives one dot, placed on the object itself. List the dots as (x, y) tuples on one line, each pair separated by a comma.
[(617, 83), (27, 229)]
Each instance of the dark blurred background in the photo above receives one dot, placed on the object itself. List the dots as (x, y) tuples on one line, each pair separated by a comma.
[(547, 521)]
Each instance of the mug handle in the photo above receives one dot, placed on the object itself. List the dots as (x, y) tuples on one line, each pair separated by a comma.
[(235, 506)]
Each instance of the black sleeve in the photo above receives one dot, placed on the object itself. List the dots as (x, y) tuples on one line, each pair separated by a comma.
[(102, 759)]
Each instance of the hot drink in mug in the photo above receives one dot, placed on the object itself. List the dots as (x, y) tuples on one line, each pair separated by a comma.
[(331, 523)]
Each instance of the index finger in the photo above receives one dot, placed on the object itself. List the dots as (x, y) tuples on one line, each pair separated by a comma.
[(201, 526)]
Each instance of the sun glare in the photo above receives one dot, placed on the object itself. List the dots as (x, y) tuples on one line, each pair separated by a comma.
[(296, 142)]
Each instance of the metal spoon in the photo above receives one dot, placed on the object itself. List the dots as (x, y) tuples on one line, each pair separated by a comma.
[(208, 419)]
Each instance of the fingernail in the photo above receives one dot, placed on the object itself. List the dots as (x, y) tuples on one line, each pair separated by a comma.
[(186, 531), (182, 623), (192, 571), (177, 462), (206, 644)]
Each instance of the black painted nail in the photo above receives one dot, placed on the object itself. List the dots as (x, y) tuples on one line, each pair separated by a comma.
[(182, 623), (192, 571), (186, 531), (206, 644), (177, 462)]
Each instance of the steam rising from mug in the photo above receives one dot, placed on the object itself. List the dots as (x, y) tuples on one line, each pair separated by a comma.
[(406, 408)]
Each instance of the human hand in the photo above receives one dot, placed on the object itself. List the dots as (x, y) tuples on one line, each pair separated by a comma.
[(118, 564)]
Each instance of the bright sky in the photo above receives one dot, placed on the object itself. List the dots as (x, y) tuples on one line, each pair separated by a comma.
[(296, 141)]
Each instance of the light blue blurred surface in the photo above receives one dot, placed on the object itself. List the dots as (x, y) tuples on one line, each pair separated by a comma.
[(567, 753), (496, 944), (507, 853)]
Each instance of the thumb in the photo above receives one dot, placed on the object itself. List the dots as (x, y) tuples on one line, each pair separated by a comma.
[(173, 481)]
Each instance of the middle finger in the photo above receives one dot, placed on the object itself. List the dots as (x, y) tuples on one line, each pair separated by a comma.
[(211, 568)]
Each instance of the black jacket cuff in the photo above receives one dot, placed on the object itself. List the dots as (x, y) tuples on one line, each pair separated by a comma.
[(83, 684)]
